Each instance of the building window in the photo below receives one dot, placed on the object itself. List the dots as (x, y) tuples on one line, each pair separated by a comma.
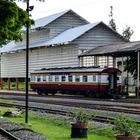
[(96, 61), (70, 78), (84, 78), (77, 78)]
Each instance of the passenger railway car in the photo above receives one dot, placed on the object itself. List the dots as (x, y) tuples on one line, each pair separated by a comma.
[(89, 81)]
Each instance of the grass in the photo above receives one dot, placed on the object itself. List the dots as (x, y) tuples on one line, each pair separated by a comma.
[(52, 127)]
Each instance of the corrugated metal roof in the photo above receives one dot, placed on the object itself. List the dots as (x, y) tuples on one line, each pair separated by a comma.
[(113, 49), (70, 34), (41, 22), (46, 20), (64, 38), (69, 69)]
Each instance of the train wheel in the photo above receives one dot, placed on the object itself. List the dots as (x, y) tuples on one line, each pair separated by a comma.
[(39, 92), (53, 92), (46, 93)]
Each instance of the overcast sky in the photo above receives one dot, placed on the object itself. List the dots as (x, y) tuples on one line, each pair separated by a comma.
[(126, 12)]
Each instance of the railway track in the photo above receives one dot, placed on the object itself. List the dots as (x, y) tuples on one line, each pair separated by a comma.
[(77, 97), (95, 106), (97, 118), (5, 135)]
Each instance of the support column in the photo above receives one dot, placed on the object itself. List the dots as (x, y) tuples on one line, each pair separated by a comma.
[(138, 74), (9, 83), (127, 80), (122, 68), (96, 60), (114, 62), (1, 86), (81, 61), (107, 61), (17, 81), (25, 84)]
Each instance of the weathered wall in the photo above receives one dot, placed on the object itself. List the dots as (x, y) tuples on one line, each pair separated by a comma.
[(98, 36), (13, 64)]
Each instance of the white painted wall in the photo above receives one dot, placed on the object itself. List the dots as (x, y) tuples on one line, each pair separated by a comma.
[(13, 64)]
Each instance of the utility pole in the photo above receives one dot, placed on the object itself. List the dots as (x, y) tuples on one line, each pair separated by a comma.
[(27, 63)]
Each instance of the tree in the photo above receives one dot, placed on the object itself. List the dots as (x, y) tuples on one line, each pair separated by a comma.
[(112, 23), (127, 32), (131, 65), (131, 61), (12, 19)]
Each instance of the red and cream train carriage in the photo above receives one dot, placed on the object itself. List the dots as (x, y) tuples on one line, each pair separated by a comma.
[(89, 81)]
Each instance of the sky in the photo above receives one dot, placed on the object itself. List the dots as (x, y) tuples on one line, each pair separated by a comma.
[(125, 12)]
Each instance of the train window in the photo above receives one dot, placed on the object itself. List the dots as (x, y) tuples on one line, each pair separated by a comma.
[(32, 78), (63, 78), (94, 77), (77, 78), (44, 79), (70, 78), (84, 78), (50, 78), (56, 78), (38, 78)]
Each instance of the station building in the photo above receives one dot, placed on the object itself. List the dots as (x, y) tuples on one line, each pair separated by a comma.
[(57, 41)]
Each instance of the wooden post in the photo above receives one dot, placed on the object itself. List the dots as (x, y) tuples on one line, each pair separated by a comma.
[(127, 80), (1, 86), (25, 84), (17, 83), (9, 83)]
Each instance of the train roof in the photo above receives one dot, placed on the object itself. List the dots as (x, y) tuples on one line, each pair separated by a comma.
[(73, 69)]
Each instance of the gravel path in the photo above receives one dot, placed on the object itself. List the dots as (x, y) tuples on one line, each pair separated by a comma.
[(19, 131)]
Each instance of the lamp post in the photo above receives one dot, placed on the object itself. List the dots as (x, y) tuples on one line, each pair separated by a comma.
[(29, 8), (27, 63)]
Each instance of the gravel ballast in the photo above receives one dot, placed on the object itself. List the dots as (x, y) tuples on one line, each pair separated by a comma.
[(20, 132)]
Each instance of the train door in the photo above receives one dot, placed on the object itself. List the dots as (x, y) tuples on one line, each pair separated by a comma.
[(112, 82)]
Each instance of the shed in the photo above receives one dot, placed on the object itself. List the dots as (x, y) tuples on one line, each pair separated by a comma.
[(55, 41)]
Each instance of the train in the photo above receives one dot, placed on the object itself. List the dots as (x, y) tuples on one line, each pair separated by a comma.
[(87, 81)]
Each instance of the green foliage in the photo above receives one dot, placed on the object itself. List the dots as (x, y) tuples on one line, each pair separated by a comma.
[(127, 32), (81, 116), (131, 62), (49, 125), (12, 19), (104, 131), (131, 65), (124, 125)]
